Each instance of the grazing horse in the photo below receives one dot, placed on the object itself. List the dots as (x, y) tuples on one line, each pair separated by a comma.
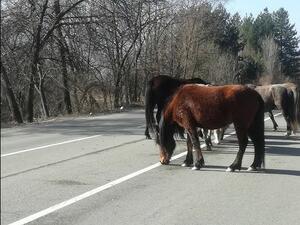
[(284, 97), (211, 108), (159, 90)]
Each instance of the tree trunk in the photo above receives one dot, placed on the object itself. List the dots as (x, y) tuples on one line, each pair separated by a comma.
[(62, 50), (117, 92), (31, 96), (43, 100), (40, 90), (11, 97)]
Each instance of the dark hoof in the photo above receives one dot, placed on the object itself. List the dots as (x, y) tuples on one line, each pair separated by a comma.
[(288, 133), (251, 168), (233, 167), (256, 167), (165, 162), (199, 164), (187, 163), (148, 137)]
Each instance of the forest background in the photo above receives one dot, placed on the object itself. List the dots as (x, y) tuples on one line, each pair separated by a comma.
[(66, 57)]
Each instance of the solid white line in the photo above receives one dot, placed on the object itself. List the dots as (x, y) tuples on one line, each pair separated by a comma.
[(83, 196), (51, 145), (98, 189)]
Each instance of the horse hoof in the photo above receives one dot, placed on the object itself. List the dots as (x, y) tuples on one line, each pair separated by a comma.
[(184, 165), (229, 169), (251, 169), (195, 168), (217, 142), (258, 169), (165, 162)]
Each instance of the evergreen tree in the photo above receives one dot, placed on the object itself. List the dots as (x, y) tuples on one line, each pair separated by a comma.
[(226, 30), (263, 27), (247, 32), (286, 37)]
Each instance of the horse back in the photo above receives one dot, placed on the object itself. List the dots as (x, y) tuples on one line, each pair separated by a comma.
[(214, 106), (163, 87)]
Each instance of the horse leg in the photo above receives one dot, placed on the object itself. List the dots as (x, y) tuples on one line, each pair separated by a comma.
[(217, 134), (207, 139), (257, 137), (189, 156), (286, 116), (222, 132), (147, 134), (275, 125), (181, 132), (288, 126), (243, 141), (158, 113), (198, 153)]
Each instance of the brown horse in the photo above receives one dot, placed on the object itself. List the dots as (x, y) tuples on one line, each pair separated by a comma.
[(210, 108), (159, 90), (284, 97)]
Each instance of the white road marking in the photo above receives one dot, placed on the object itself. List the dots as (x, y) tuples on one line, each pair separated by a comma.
[(273, 115), (98, 189), (51, 145)]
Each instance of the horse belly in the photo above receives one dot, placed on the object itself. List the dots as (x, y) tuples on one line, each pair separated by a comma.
[(213, 117)]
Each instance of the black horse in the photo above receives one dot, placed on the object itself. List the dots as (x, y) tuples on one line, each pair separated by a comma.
[(158, 91)]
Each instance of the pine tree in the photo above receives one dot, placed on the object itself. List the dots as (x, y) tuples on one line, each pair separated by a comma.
[(286, 37), (247, 32), (263, 27)]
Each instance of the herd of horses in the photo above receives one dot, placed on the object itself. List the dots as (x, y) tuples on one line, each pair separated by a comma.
[(194, 107)]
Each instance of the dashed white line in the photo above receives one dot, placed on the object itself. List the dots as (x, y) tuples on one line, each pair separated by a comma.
[(51, 145)]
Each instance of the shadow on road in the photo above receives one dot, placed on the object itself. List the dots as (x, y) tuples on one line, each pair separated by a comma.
[(283, 172), (217, 168), (283, 150)]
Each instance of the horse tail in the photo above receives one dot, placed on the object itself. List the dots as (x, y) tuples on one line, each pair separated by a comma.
[(257, 135), (293, 108), (296, 93), (149, 108), (166, 135)]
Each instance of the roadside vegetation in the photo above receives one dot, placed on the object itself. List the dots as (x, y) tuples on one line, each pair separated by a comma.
[(65, 57)]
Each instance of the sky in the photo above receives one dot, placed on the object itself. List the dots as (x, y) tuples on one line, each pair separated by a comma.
[(245, 7)]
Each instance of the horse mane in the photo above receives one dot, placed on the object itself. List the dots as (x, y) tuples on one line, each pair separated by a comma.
[(166, 135), (196, 80)]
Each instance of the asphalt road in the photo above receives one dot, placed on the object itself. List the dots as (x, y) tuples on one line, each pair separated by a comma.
[(101, 170)]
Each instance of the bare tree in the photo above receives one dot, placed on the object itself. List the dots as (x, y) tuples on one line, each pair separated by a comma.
[(270, 53), (6, 85)]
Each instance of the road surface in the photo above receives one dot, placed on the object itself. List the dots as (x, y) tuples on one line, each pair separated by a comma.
[(101, 170)]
